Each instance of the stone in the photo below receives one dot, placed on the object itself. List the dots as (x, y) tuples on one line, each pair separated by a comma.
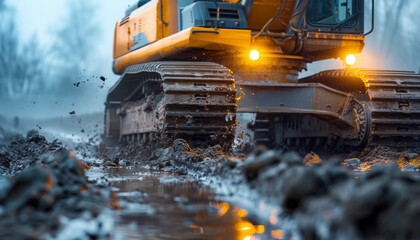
[(299, 183), (256, 162)]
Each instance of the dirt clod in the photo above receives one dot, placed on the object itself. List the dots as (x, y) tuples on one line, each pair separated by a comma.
[(46, 183)]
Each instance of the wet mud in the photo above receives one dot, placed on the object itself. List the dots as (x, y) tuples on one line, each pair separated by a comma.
[(356, 196), (180, 192), (45, 194), (159, 205)]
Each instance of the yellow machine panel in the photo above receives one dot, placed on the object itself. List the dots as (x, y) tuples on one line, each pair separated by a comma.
[(146, 23), (201, 38), (152, 32), (263, 10)]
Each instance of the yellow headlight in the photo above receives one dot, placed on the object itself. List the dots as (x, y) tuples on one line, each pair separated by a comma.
[(254, 55), (350, 59)]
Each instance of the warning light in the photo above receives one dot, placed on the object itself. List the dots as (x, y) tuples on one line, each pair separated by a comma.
[(350, 59), (254, 55)]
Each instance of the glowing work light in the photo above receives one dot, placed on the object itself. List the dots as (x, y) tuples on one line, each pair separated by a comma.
[(254, 55), (350, 59)]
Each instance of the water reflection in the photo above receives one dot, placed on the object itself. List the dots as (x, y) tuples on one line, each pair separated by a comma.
[(168, 206)]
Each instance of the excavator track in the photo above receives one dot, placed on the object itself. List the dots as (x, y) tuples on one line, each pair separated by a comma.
[(395, 105), (392, 96), (192, 100)]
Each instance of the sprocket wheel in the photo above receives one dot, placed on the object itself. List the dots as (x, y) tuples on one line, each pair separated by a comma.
[(363, 115)]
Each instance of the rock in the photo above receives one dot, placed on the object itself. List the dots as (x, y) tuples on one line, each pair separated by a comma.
[(272, 173), (332, 173), (29, 189), (23, 153), (400, 221), (321, 218), (311, 159), (255, 163), (299, 183), (362, 204), (48, 188)]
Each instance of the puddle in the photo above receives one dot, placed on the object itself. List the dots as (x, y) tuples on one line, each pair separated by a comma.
[(167, 206)]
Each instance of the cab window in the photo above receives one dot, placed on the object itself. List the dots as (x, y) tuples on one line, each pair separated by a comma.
[(331, 12)]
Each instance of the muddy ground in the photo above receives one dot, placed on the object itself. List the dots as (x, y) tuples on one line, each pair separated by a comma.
[(150, 192), (363, 195), (46, 195)]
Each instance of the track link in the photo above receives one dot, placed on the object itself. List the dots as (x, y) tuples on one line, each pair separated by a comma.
[(197, 103), (395, 105), (392, 96)]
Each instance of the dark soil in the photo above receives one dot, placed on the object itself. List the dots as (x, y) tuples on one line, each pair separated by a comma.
[(365, 195), (339, 198), (45, 189)]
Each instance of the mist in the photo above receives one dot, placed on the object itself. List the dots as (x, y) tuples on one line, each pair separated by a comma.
[(55, 55), (394, 43)]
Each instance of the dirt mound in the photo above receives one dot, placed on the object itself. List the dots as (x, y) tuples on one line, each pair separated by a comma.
[(24, 152), (48, 194), (329, 200)]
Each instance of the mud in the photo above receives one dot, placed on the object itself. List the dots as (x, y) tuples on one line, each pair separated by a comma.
[(331, 201), (45, 194), (356, 196), (159, 205), (24, 152), (180, 192)]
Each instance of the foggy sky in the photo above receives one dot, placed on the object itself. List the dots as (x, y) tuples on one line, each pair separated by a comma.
[(42, 17)]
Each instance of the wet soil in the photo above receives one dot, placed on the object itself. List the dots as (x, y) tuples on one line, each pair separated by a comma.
[(45, 194), (179, 192), (316, 198), (159, 205)]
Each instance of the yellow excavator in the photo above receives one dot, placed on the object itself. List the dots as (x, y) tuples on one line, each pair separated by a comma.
[(189, 67)]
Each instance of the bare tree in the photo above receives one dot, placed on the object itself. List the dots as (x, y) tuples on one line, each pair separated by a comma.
[(3, 67), (76, 42), (393, 23), (390, 32), (21, 66)]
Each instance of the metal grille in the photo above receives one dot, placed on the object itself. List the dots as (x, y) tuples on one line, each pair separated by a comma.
[(224, 13)]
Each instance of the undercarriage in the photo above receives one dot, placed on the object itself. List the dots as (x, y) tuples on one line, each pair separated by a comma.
[(168, 100), (198, 101)]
